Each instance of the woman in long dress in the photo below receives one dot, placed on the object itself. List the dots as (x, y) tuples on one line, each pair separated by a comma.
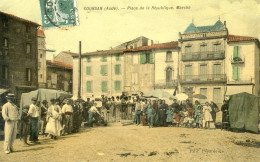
[(53, 126), (207, 115)]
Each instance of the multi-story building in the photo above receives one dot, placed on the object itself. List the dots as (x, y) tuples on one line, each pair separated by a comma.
[(202, 68), (102, 74), (151, 67), (18, 54), (66, 57), (137, 42), (214, 63), (242, 65), (59, 75), (41, 58), (131, 70)]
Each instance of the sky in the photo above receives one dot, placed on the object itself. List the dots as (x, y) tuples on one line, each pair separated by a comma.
[(100, 30)]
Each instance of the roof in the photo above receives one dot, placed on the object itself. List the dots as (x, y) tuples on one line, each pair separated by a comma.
[(143, 48), (238, 38), (40, 32), (218, 26), (19, 18), (58, 64), (134, 40), (101, 52), (155, 46), (68, 52)]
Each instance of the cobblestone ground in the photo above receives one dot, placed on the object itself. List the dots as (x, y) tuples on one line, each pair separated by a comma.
[(138, 143)]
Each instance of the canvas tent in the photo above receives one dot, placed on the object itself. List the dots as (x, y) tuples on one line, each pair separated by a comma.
[(243, 112), (42, 94)]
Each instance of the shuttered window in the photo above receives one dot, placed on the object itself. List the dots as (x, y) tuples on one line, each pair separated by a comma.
[(117, 69), (217, 70), (146, 58), (217, 95), (104, 86), (203, 71), (235, 73), (117, 57), (236, 51), (88, 70), (188, 72), (103, 69), (117, 85), (103, 59), (203, 91), (188, 52), (88, 59), (142, 58), (89, 86)]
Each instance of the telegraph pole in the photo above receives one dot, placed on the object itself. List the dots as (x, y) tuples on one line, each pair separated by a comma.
[(79, 79)]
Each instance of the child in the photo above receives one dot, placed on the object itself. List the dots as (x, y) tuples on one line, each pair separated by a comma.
[(197, 117), (25, 125)]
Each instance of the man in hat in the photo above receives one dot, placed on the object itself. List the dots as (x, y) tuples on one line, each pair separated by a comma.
[(10, 113), (34, 112), (67, 110)]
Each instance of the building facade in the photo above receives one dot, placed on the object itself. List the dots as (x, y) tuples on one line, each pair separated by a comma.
[(41, 58), (151, 67), (59, 76), (202, 66), (102, 74), (65, 56), (215, 64), (242, 64), (18, 54), (129, 71)]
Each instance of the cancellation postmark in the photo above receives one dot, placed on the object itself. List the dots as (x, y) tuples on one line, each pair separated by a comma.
[(59, 13)]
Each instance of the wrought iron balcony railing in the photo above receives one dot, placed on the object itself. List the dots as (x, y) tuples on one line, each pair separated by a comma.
[(207, 55), (163, 84), (205, 78)]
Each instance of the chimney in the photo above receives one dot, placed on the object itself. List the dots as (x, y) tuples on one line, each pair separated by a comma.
[(150, 42)]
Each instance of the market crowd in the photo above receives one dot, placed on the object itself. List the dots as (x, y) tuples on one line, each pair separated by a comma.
[(65, 116)]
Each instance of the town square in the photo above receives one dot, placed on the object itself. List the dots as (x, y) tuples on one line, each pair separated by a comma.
[(148, 80)]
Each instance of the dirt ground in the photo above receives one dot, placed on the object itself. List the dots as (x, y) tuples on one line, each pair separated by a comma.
[(138, 143)]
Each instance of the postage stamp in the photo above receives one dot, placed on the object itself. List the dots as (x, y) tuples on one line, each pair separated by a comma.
[(59, 13)]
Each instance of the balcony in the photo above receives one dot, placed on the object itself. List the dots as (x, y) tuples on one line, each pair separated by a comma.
[(240, 82), (163, 84), (237, 60), (207, 78), (208, 55)]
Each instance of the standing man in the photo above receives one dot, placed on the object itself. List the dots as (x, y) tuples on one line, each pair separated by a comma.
[(34, 112), (67, 110), (150, 114), (138, 112), (10, 113)]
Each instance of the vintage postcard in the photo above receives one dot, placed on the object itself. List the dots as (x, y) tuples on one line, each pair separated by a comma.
[(129, 80)]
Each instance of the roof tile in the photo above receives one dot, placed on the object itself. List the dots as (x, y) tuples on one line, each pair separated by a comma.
[(237, 38), (58, 64)]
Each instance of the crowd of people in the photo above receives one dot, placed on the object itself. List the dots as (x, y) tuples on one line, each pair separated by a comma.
[(65, 116)]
